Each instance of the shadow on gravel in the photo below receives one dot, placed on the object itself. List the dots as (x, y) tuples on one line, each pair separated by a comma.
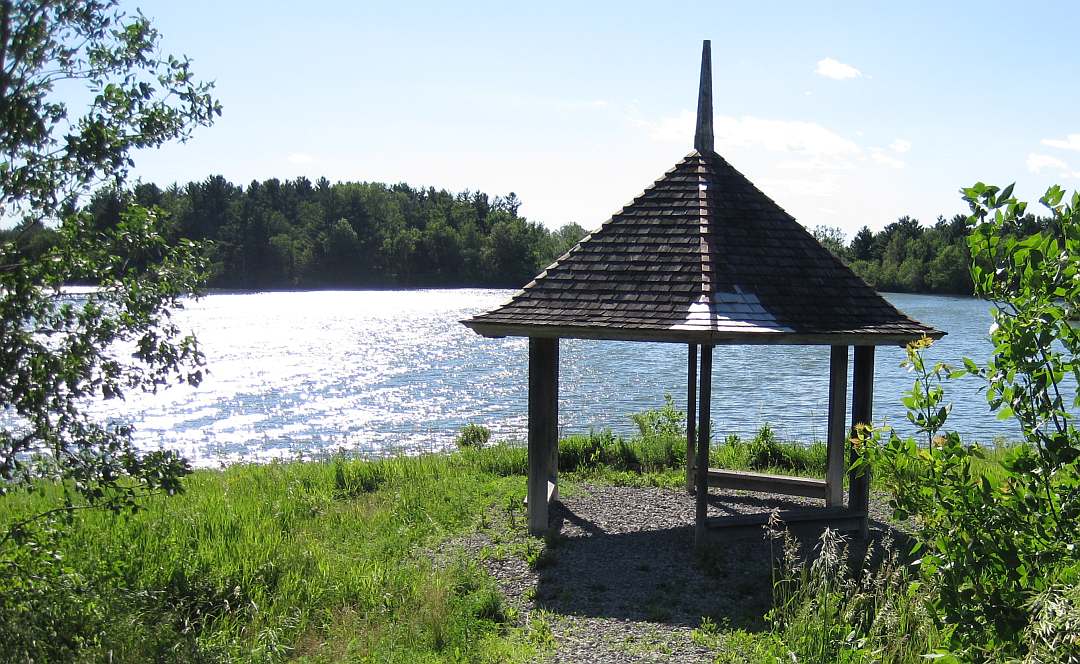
[(656, 575)]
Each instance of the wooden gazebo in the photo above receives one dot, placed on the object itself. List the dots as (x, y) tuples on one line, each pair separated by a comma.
[(704, 258)]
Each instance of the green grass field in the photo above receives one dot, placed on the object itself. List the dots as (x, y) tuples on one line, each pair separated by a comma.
[(324, 561)]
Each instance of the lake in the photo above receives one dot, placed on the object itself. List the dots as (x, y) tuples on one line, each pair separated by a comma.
[(298, 373)]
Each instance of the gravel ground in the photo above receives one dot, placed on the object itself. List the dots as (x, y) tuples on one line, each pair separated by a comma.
[(619, 580)]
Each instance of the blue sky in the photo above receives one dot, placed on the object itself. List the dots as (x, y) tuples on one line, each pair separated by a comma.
[(844, 113)]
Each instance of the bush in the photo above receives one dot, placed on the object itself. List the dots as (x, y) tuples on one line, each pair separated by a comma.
[(473, 435), (998, 543), (664, 422)]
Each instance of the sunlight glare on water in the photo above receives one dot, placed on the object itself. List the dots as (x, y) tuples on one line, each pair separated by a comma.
[(295, 373)]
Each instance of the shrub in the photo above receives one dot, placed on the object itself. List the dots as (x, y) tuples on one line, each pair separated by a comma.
[(765, 451), (997, 543), (664, 422), (473, 435)]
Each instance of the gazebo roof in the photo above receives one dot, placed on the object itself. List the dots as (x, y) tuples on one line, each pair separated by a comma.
[(702, 256)]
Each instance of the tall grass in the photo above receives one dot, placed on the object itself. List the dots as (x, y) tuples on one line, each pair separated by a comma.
[(338, 560), (828, 609), (316, 561)]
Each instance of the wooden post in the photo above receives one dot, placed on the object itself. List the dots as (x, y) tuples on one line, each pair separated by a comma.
[(543, 429), (702, 470), (834, 465), (691, 414), (862, 412)]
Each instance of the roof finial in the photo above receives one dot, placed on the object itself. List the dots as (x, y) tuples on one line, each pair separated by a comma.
[(703, 135)]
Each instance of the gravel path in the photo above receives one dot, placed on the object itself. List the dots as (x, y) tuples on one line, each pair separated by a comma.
[(619, 580)]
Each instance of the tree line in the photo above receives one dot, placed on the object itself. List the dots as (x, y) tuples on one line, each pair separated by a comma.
[(907, 256), (303, 234)]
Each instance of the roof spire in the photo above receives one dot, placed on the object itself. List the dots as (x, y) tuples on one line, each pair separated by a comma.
[(703, 135)]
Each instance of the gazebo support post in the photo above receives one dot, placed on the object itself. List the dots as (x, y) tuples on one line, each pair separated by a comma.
[(543, 430), (691, 413), (702, 470), (834, 465), (862, 412)]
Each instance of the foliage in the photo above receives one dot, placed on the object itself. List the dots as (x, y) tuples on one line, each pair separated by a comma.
[(59, 350), (824, 612), (994, 546), (666, 421), (767, 452), (831, 238), (473, 435), (136, 98), (295, 233), (263, 563), (906, 256), (1053, 635)]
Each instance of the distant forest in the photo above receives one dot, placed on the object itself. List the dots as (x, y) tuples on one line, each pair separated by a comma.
[(906, 256), (300, 234)]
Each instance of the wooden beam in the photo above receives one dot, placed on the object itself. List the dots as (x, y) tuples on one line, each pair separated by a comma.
[(862, 412), (782, 484), (702, 473), (837, 436), (543, 429), (691, 413), (839, 518)]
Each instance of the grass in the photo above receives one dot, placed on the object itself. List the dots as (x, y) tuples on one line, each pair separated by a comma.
[(823, 611), (336, 560), (311, 562), (661, 459)]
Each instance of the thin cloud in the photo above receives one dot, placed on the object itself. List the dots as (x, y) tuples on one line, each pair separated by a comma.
[(836, 70), (900, 146), (1037, 163), (885, 159), (1070, 142), (808, 142)]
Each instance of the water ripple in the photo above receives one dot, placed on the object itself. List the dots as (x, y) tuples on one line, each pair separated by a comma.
[(380, 370)]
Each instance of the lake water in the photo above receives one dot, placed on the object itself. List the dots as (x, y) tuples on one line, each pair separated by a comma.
[(379, 371)]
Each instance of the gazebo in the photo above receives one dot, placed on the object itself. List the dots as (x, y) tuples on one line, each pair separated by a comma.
[(704, 258)]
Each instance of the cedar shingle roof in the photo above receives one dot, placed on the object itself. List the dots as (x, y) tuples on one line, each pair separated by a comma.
[(702, 256)]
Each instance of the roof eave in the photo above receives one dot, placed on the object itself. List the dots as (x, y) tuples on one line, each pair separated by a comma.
[(710, 337)]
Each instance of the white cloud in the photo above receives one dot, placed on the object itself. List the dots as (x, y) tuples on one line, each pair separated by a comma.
[(810, 145), (900, 146), (836, 70), (816, 188), (803, 138), (300, 158), (1070, 142), (1037, 163), (672, 129), (812, 164), (885, 159)]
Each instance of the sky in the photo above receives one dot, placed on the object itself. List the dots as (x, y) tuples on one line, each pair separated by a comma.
[(846, 114)]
